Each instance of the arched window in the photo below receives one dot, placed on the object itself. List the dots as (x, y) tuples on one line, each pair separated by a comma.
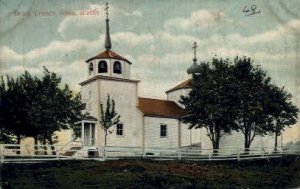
[(91, 69), (102, 67), (117, 67)]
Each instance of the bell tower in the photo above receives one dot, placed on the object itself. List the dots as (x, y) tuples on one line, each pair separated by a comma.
[(108, 63), (109, 74)]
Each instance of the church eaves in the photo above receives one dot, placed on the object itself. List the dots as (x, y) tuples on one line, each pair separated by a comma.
[(108, 54), (160, 108), (184, 85)]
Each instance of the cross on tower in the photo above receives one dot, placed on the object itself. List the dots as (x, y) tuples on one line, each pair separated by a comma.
[(194, 47), (107, 43), (106, 9)]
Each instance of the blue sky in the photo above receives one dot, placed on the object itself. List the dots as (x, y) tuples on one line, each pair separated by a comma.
[(156, 36)]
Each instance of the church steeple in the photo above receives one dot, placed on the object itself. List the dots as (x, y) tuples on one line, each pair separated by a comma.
[(108, 63), (107, 44)]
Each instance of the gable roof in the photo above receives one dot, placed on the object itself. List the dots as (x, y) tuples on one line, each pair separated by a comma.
[(108, 54), (160, 108), (184, 85)]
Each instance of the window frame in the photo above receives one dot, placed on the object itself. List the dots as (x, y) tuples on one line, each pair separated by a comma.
[(102, 70), (117, 71), (120, 129), (163, 131)]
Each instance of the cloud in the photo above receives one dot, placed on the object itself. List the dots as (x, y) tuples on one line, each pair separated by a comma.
[(255, 55), (80, 22), (134, 45), (8, 54), (200, 18), (158, 51), (56, 50), (62, 50), (290, 28), (17, 70), (116, 11), (133, 39), (172, 39), (71, 73)]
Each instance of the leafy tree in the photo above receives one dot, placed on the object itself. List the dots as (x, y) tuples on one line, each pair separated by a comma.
[(251, 84), (236, 95), (108, 118), (13, 101), (261, 107), (5, 136), (282, 112), (34, 107), (209, 103), (55, 108)]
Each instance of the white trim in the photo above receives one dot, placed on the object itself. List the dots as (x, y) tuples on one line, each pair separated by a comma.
[(88, 121)]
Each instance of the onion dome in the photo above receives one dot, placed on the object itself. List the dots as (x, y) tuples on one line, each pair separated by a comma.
[(194, 68)]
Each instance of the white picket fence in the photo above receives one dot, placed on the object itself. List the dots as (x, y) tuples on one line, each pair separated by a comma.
[(15, 153)]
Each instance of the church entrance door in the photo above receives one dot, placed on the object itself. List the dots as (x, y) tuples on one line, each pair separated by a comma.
[(89, 134)]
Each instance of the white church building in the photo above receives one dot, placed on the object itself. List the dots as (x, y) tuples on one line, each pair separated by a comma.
[(144, 122)]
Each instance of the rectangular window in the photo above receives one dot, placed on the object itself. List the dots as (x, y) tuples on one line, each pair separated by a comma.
[(120, 129), (163, 130)]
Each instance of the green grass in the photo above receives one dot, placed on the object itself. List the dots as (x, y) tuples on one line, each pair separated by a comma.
[(278, 173)]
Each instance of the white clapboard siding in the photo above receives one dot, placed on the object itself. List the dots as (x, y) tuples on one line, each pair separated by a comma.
[(125, 96), (152, 132)]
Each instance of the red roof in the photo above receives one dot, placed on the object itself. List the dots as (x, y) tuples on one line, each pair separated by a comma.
[(160, 108), (184, 85), (108, 54)]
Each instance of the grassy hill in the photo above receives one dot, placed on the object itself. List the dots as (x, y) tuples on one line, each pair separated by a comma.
[(278, 173)]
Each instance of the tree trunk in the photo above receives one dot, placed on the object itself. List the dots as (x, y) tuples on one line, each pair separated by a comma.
[(18, 142), (52, 147), (215, 147), (105, 137), (35, 145), (276, 142), (216, 143), (105, 140), (247, 143), (45, 148), (19, 139)]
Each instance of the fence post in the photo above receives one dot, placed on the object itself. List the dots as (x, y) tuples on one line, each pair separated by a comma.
[(143, 152), (179, 154), (104, 152), (238, 155), (2, 153), (57, 154), (209, 155), (100, 151)]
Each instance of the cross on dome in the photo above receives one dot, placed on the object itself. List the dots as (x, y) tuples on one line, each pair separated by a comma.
[(194, 68), (195, 56)]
